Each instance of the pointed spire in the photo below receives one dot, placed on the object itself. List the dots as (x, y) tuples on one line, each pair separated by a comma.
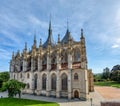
[(58, 38), (25, 46), (82, 33), (35, 38), (18, 53), (40, 42), (50, 28), (13, 55), (50, 23), (67, 24)]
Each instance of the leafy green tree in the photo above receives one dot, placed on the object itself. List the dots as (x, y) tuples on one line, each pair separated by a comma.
[(106, 73), (98, 77), (4, 76), (115, 73), (14, 87)]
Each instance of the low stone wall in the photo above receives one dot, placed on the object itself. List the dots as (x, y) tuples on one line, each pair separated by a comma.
[(110, 103)]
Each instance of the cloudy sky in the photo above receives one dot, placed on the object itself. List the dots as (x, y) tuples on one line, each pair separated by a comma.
[(100, 20)]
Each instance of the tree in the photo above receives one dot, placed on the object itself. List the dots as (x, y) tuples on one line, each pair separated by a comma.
[(14, 87), (4, 76), (98, 77), (106, 73), (115, 73)]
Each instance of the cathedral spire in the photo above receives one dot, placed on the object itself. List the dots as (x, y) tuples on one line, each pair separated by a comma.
[(35, 38), (25, 46), (50, 28), (58, 38), (49, 40), (13, 55), (40, 42), (50, 23), (82, 36), (67, 25)]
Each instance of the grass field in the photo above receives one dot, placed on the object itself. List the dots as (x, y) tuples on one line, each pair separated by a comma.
[(108, 83), (24, 102)]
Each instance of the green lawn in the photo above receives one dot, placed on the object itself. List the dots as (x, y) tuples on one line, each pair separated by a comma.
[(24, 102), (108, 83)]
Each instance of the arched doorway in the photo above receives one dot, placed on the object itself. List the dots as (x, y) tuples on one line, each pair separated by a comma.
[(76, 94)]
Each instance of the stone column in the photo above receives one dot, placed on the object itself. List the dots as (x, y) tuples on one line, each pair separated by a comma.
[(48, 84), (58, 84), (86, 84), (32, 64), (24, 65), (32, 83), (39, 64), (58, 76), (48, 63), (69, 76), (39, 87), (70, 84)]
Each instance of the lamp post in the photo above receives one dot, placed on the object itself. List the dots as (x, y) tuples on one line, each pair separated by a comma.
[(91, 101)]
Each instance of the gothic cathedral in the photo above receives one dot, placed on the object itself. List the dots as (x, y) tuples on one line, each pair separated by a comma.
[(58, 70)]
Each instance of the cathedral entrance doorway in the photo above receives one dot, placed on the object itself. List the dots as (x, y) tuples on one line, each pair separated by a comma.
[(76, 94)]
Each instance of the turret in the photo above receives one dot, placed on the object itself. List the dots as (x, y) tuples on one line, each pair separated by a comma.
[(83, 51), (34, 46)]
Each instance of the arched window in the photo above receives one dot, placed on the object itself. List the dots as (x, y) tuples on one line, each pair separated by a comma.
[(64, 56), (28, 76), (35, 83), (44, 78), (75, 76), (44, 60), (27, 86), (64, 82), (76, 55), (53, 82)]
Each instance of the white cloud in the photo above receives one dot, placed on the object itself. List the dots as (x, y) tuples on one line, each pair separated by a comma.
[(115, 46)]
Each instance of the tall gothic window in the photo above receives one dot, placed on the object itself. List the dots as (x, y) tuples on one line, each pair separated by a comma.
[(76, 55), (27, 86), (64, 81), (75, 76), (64, 55), (36, 77), (44, 60), (44, 78), (53, 82), (28, 75)]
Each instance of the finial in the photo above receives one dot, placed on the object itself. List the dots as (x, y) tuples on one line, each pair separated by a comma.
[(82, 33), (67, 24), (58, 38), (35, 37), (40, 42), (25, 45), (13, 54), (50, 22)]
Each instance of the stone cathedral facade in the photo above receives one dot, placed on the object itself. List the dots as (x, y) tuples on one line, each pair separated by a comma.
[(58, 70)]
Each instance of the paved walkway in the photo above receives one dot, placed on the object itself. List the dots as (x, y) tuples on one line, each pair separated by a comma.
[(64, 102)]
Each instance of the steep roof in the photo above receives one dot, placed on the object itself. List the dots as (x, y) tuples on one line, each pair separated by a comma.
[(66, 37), (50, 38)]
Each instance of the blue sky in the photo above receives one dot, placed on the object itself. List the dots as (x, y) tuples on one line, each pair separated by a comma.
[(100, 20)]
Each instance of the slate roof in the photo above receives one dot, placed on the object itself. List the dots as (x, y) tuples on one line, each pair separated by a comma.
[(66, 37)]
